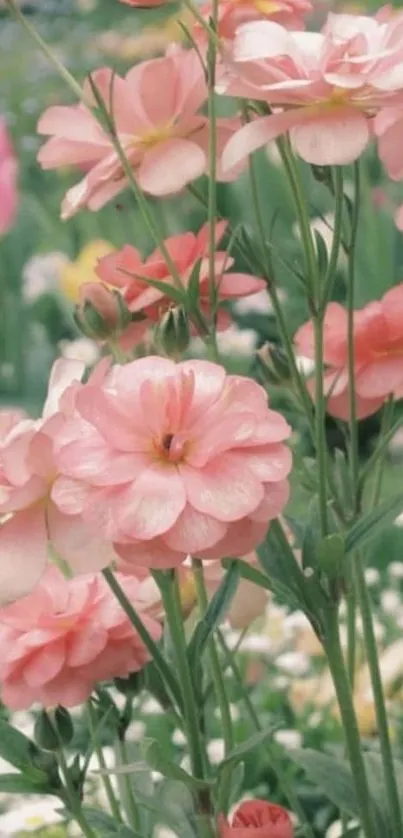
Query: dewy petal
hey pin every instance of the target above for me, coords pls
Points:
(337, 137)
(169, 166)
(224, 489)
(152, 504)
(23, 553)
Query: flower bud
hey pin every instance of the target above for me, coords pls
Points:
(173, 333)
(273, 364)
(45, 732)
(101, 313)
(257, 819)
(64, 724)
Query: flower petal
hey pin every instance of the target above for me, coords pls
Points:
(23, 553)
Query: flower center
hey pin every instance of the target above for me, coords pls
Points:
(172, 448)
(154, 136)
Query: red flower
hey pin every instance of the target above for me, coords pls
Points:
(257, 819)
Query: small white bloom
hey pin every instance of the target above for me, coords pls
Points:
(178, 738)
(41, 274)
(257, 643)
(254, 304)
(136, 731)
(151, 707)
(335, 830)
(30, 817)
(391, 601)
(216, 751)
(288, 738)
(281, 682)
(395, 570)
(296, 663)
(164, 832)
(372, 576)
(82, 349)
(234, 710)
(305, 365)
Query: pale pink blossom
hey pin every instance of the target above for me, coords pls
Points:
(378, 351)
(8, 181)
(325, 87)
(388, 127)
(156, 112)
(27, 471)
(167, 460)
(125, 269)
(64, 638)
(250, 600)
(233, 13)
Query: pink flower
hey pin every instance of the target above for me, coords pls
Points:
(233, 13)
(65, 637)
(378, 346)
(250, 600)
(125, 267)
(8, 181)
(165, 137)
(27, 471)
(102, 316)
(388, 127)
(257, 819)
(325, 86)
(167, 460)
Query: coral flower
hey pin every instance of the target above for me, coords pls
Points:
(378, 349)
(60, 641)
(125, 268)
(167, 460)
(233, 13)
(164, 137)
(8, 181)
(325, 86)
(27, 471)
(257, 819)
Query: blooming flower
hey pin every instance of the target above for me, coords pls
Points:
(257, 818)
(83, 269)
(378, 349)
(27, 470)
(125, 270)
(233, 13)
(8, 181)
(165, 138)
(167, 460)
(250, 600)
(325, 86)
(66, 636)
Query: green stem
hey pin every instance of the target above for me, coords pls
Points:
(133, 813)
(165, 671)
(275, 763)
(379, 451)
(351, 635)
(392, 793)
(219, 687)
(320, 416)
(73, 800)
(379, 470)
(304, 221)
(341, 683)
(113, 803)
(212, 171)
(43, 47)
(170, 593)
(336, 240)
(354, 455)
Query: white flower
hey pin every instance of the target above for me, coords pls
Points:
(30, 817)
(41, 274)
(296, 663)
(254, 304)
(395, 570)
(151, 707)
(216, 751)
(391, 601)
(232, 341)
(372, 576)
(336, 829)
(257, 643)
(288, 738)
(136, 731)
(178, 738)
(82, 349)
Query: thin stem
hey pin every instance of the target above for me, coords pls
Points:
(379, 451)
(73, 800)
(219, 686)
(113, 803)
(212, 170)
(351, 635)
(353, 426)
(283, 780)
(350, 727)
(380, 465)
(304, 221)
(392, 793)
(43, 47)
(336, 240)
(133, 813)
(166, 673)
(320, 416)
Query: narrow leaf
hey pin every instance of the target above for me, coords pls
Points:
(252, 742)
(372, 523)
(21, 784)
(20, 751)
(216, 610)
(331, 775)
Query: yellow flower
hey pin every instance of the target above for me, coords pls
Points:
(75, 274)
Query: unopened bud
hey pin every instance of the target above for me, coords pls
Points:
(101, 313)
(173, 333)
(45, 732)
(64, 725)
(273, 364)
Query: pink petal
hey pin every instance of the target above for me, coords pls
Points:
(83, 550)
(45, 663)
(84, 646)
(152, 504)
(169, 166)
(224, 488)
(23, 553)
(154, 553)
(194, 531)
(335, 138)
(378, 379)
(255, 135)
(239, 285)
(64, 373)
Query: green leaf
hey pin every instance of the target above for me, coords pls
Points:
(107, 826)
(193, 288)
(331, 775)
(377, 787)
(166, 288)
(155, 757)
(372, 523)
(241, 751)
(216, 610)
(21, 752)
(21, 784)
(321, 250)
